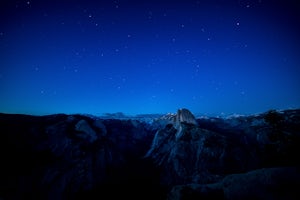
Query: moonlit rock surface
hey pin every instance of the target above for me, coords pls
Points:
(184, 115)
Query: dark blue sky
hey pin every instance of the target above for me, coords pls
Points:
(137, 57)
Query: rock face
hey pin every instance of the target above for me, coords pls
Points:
(175, 157)
(175, 124)
(184, 116)
(205, 154)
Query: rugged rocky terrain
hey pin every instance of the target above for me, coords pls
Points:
(176, 156)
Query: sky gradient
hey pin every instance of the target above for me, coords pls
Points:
(140, 57)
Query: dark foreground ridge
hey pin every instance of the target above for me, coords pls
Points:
(176, 156)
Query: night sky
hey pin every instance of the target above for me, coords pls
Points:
(141, 57)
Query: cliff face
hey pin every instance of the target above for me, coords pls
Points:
(175, 157)
(185, 116)
(203, 160)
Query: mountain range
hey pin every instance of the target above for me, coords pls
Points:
(173, 156)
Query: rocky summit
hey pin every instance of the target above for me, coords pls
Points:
(174, 157)
(185, 116)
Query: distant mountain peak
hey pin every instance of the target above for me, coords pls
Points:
(185, 116)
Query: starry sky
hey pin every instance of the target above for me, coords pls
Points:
(140, 57)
